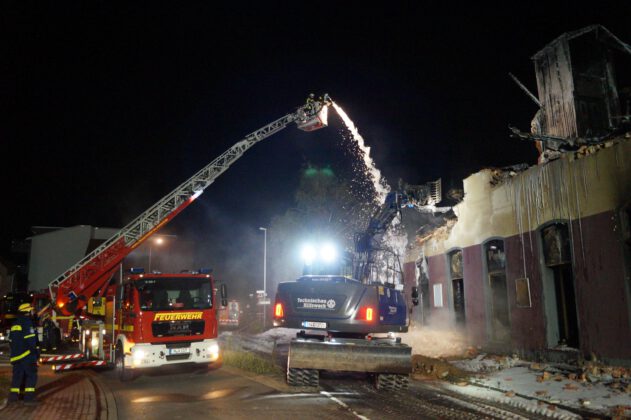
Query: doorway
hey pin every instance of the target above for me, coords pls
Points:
(559, 287)
(498, 319)
(457, 286)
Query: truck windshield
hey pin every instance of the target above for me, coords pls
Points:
(174, 293)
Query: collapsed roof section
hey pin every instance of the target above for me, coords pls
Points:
(584, 89)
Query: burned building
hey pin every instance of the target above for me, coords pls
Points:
(584, 89)
(538, 261)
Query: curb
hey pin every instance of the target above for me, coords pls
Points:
(106, 399)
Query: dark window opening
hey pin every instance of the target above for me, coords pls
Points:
(496, 267)
(557, 255)
(457, 286)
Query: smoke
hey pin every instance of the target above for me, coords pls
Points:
(436, 340)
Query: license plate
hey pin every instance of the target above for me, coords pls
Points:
(312, 324)
(184, 350)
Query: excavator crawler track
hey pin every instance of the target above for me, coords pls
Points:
(391, 381)
(303, 377)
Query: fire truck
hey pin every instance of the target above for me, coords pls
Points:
(151, 320)
(9, 304)
(123, 338)
(230, 315)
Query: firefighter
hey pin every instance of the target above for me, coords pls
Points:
(310, 102)
(24, 356)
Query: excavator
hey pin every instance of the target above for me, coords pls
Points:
(349, 323)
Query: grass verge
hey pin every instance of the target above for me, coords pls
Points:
(250, 362)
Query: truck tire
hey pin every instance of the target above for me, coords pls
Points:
(303, 377)
(123, 372)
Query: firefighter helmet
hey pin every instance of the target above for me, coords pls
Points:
(25, 307)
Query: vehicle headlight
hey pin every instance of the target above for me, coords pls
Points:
(138, 355)
(213, 351)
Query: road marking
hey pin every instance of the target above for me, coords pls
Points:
(343, 404)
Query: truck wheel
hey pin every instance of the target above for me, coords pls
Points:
(124, 373)
(303, 377)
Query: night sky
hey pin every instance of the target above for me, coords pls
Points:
(107, 108)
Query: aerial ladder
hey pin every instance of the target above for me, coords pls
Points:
(88, 278)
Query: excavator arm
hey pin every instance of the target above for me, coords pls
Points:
(423, 198)
(71, 290)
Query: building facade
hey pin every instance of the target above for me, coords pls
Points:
(538, 260)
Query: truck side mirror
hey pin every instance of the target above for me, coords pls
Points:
(224, 295)
(415, 296)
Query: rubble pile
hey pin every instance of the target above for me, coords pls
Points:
(590, 386)
(500, 175)
(424, 367)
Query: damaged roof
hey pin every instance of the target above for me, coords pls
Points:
(607, 37)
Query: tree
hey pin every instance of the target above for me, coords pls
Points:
(326, 209)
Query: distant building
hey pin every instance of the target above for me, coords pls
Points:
(54, 249)
(538, 260)
(7, 276)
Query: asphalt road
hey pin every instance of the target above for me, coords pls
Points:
(224, 393)
(229, 393)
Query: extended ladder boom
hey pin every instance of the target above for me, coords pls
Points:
(71, 289)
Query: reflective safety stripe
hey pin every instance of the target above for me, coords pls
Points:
(16, 328)
(29, 389)
(29, 336)
(16, 390)
(21, 356)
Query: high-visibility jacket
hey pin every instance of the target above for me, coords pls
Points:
(23, 340)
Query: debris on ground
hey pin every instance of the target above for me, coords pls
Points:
(424, 367)
(585, 385)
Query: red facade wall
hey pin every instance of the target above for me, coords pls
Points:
(603, 302)
(437, 267)
(474, 294)
(528, 328)
(602, 299)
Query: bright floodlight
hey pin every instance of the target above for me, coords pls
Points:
(328, 253)
(159, 241)
(308, 254)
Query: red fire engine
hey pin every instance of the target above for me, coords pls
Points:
(151, 320)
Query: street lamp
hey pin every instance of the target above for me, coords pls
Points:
(157, 241)
(264, 273)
